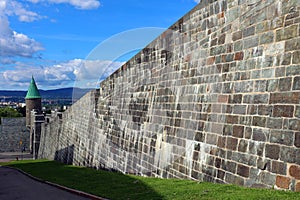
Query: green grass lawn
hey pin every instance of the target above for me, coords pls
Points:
(119, 186)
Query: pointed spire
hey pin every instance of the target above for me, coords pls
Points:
(33, 92)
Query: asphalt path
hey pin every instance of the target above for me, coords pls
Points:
(15, 185)
(8, 156)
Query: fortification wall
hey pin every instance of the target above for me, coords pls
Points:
(215, 98)
(12, 131)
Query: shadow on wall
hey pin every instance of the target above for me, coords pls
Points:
(65, 155)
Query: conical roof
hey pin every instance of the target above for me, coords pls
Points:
(33, 92)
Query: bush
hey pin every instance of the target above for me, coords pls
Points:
(9, 112)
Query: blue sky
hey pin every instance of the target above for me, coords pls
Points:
(67, 42)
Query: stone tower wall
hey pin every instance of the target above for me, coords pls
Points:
(32, 104)
(215, 98)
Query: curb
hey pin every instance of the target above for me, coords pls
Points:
(77, 192)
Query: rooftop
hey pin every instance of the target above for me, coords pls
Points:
(33, 92)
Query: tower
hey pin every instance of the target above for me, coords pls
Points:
(33, 101)
(34, 116)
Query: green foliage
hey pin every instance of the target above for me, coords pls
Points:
(9, 112)
(119, 186)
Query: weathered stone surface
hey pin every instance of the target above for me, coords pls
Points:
(272, 151)
(282, 137)
(243, 170)
(216, 98)
(283, 182)
(12, 132)
(297, 139)
(278, 167)
(297, 189)
(295, 171)
(288, 154)
(283, 111)
(296, 84)
(296, 57)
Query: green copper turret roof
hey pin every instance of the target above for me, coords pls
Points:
(33, 92)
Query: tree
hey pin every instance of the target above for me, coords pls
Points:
(9, 112)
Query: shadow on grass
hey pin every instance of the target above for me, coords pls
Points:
(105, 184)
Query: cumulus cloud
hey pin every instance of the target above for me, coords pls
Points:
(96, 69)
(65, 74)
(79, 4)
(14, 8)
(15, 44)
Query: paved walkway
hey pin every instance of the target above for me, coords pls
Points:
(15, 185)
(8, 156)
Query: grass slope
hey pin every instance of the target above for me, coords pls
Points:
(119, 186)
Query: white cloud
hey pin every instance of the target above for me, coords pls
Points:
(75, 72)
(95, 69)
(15, 44)
(79, 4)
(197, 1)
(10, 8)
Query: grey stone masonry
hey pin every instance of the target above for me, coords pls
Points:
(216, 97)
(12, 132)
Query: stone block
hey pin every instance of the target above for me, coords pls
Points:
(239, 55)
(238, 131)
(268, 73)
(264, 110)
(294, 171)
(296, 57)
(286, 59)
(260, 86)
(266, 38)
(278, 167)
(297, 112)
(243, 171)
(231, 143)
(260, 134)
(282, 137)
(296, 84)
(243, 145)
(288, 154)
(283, 111)
(251, 42)
(297, 139)
(284, 98)
(256, 99)
(248, 31)
(238, 45)
(285, 84)
(283, 182)
(268, 178)
(239, 109)
(292, 44)
(272, 85)
(274, 123)
(293, 70)
(272, 151)
(230, 178)
(237, 35)
(221, 174)
(286, 33)
(294, 124)
(297, 188)
(259, 121)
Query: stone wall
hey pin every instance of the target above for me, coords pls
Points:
(12, 131)
(215, 98)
